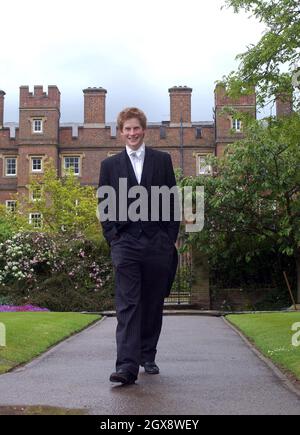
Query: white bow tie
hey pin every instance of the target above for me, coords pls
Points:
(137, 161)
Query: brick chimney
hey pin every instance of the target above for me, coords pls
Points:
(180, 105)
(284, 105)
(2, 93)
(94, 105)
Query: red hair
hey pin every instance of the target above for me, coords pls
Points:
(129, 113)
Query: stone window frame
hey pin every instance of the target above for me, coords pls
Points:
(80, 156)
(12, 206)
(198, 160)
(33, 216)
(31, 157)
(35, 119)
(5, 158)
(236, 125)
(32, 194)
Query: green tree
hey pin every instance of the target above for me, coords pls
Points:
(65, 205)
(253, 200)
(10, 222)
(270, 64)
(6, 226)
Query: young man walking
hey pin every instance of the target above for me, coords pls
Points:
(143, 252)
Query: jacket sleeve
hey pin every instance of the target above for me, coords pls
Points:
(173, 225)
(109, 227)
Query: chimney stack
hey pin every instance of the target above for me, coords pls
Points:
(284, 105)
(2, 93)
(180, 105)
(94, 105)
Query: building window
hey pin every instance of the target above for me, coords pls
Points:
(36, 193)
(237, 125)
(11, 206)
(72, 163)
(35, 219)
(198, 133)
(37, 125)
(202, 167)
(11, 166)
(36, 164)
(162, 133)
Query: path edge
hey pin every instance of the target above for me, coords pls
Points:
(287, 379)
(51, 349)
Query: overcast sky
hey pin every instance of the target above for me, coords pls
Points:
(136, 49)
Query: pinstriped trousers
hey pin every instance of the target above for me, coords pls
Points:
(142, 267)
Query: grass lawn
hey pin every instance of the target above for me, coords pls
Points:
(30, 334)
(272, 334)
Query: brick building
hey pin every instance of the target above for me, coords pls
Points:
(24, 146)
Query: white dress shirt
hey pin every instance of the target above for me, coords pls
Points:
(137, 160)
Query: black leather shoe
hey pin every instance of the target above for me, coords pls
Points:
(123, 377)
(151, 368)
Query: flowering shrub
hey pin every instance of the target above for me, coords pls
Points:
(81, 261)
(23, 308)
(62, 273)
(23, 255)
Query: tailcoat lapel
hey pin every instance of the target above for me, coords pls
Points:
(126, 170)
(148, 169)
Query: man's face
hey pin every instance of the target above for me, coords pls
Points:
(133, 133)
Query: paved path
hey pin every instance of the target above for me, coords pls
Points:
(206, 368)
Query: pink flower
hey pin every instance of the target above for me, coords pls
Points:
(22, 308)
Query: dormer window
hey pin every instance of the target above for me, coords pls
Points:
(37, 125)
